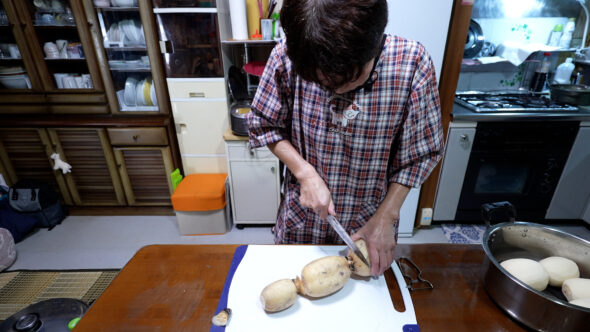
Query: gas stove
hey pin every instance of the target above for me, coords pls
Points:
(488, 102)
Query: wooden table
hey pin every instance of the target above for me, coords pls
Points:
(177, 288)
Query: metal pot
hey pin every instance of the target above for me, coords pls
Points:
(238, 112)
(241, 106)
(543, 311)
(573, 94)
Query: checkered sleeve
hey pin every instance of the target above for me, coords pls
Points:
(268, 120)
(420, 141)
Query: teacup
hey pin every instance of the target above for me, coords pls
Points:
(51, 50)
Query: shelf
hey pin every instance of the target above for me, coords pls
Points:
(118, 9)
(54, 26)
(64, 59)
(132, 70)
(583, 62)
(126, 48)
(249, 41)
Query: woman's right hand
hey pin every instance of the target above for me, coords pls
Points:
(314, 193)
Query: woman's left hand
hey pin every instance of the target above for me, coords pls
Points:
(379, 234)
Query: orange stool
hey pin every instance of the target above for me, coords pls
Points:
(200, 204)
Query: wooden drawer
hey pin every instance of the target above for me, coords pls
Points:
(137, 136)
(197, 88)
(241, 151)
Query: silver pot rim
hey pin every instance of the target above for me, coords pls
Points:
(494, 228)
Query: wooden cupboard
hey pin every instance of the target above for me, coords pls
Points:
(105, 172)
(122, 146)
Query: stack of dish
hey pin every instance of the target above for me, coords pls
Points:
(139, 92)
(132, 32)
(14, 78)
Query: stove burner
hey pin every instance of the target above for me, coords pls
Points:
(511, 102)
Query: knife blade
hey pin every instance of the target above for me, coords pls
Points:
(346, 238)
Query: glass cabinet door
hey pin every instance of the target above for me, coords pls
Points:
(189, 41)
(124, 42)
(13, 74)
(56, 41)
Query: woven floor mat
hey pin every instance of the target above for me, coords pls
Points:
(19, 289)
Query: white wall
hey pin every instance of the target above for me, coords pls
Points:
(426, 21)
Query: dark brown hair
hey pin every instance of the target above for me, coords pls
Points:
(333, 37)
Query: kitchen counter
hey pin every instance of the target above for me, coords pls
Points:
(230, 136)
(461, 113)
(177, 288)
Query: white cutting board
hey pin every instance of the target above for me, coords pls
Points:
(361, 305)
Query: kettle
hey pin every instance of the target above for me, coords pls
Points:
(241, 105)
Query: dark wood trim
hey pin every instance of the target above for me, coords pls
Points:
(83, 120)
(101, 55)
(83, 27)
(460, 18)
(148, 20)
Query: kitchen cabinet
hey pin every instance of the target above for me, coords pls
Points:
(145, 172)
(454, 165)
(93, 179)
(201, 117)
(254, 176)
(145, 163)
(51, 59)
(188, 35)
(25, 154)
(125, 41)
(110, 166)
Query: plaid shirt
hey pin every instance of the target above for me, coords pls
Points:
(358, 142)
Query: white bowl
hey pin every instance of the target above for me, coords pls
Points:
(14, 82)
(130, 92)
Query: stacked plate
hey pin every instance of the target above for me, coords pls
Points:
(139, 92)
(14, 78)
(132, 32)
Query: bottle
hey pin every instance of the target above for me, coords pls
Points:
(555, 35)
(566, 37)
(564, 72)
(540, 75)
(578, 75)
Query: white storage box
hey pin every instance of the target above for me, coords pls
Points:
(200, 204)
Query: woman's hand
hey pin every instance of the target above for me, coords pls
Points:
(379, 234)
(315, 194)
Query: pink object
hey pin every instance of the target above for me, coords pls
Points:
(255, 68)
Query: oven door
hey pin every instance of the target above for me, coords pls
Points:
(520, 165)
(526, 181)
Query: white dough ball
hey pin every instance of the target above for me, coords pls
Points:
(528, 271)
(560, 269)
(576, 288)
(581, 302)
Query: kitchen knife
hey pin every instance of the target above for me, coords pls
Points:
(346, 238)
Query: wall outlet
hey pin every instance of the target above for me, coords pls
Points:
(426, 217)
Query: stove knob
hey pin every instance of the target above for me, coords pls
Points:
(28, 323)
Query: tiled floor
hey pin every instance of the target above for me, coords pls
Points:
(89, 242)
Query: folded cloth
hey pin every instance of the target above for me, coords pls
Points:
(517, 53)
